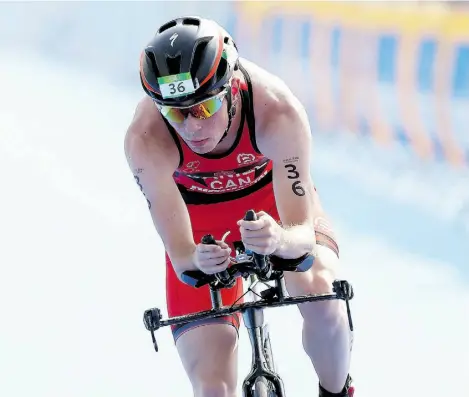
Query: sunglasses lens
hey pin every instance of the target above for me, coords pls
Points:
(200, 111)
(172, 114)
(206, 109)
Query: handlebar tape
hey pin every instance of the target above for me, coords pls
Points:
(258, 258)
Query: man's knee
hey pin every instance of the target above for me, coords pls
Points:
(209, 381)
(213, 388)
(317, 281)
(209, 356)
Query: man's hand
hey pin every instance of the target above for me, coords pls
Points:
(262, 236)
(212, 258)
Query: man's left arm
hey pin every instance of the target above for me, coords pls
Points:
(286, 140)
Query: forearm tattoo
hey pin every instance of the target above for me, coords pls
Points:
(137, 179)
(293, 174)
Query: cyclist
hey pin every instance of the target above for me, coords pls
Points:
(214, 136)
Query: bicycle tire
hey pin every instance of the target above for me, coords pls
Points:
(263, 388)
(268, 353)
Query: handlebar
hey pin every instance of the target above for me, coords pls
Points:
(247, 263)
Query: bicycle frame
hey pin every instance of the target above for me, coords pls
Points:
(250, 266)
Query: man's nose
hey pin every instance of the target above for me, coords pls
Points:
(192, 124)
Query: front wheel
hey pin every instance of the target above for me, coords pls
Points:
(263, 388)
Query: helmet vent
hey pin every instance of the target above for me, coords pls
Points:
(222, 69)
(167, 26)
(227, 40)
(191, 21)
(198, 55)
(174, 64)
(152, 59)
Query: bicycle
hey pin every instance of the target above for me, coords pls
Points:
(262, 380)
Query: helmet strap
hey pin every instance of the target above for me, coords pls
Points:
(231, 112)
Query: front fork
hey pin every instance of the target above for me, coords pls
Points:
(262, 361)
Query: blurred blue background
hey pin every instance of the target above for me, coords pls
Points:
(387, 91)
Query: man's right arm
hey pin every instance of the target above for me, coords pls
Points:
(152, 162)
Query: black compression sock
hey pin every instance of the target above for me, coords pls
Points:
(344, 393)
(324, 393)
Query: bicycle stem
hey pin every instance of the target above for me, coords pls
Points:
(215, 296)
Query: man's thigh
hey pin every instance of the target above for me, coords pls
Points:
(209, 354)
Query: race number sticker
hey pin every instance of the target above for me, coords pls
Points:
(176, 85)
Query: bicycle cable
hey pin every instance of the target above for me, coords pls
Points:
(248, 290)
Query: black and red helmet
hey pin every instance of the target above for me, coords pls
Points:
(195, 54)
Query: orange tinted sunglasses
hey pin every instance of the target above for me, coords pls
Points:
(202, 110)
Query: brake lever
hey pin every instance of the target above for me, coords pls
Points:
(151, 319)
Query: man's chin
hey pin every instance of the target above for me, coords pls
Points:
(202, 147)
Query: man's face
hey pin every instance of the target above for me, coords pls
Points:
(203, 135)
